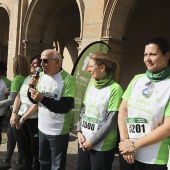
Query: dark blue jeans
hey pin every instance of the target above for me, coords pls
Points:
(53, 151)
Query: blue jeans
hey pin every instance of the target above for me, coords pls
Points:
(53, 151)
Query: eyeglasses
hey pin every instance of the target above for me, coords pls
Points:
(46, 60)
(145, 92)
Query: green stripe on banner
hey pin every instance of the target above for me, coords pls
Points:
(82, 76)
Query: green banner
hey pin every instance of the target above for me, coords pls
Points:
(82, 76)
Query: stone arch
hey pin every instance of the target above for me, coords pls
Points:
(4, 32)
(115, 15)
(43, 23)
(6, 8)
(125, 29)
(80, 4)
(148, 19)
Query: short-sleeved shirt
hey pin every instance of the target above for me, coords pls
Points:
(25, 102)
(16, 83)
(4, 83)
(98, 102)
(146, 113)
(56, 86)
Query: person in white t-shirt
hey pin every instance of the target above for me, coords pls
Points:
(97, 126)
(55, 95)
(144, 116)
(5, 84)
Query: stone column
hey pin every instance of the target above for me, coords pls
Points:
(13, 35)
(117, 51)
(32, 48)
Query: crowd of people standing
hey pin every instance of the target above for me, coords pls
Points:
(135, 122)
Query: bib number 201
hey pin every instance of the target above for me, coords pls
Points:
(136, 128)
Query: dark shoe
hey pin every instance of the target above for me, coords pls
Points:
(17, 166)
(3, 164)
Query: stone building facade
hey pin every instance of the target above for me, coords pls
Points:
(28, 27)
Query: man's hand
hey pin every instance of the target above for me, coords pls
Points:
(33, 81)
(36, 95)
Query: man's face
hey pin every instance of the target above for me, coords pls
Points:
(49, 63)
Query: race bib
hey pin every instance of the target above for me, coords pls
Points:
(137, 127)
(89, 124)
(23, 108)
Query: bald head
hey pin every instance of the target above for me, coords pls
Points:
(51, 61)
(53, 54)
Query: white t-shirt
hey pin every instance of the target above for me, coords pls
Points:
(59, 85)
(25, 102)
(145, 113)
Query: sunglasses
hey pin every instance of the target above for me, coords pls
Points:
(46, 60)
(145, 92)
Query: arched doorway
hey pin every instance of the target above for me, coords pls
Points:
(4, 34)
(52, 25)
(148, 19)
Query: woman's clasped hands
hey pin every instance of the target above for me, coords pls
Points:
(127, 149)
(83, 143)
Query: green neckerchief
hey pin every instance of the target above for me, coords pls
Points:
(158, 76)
(102, 83)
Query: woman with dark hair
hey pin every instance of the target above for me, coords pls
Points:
(28, 120)
(144, 114)
(20, 70)
(97, 127)
(4, 84)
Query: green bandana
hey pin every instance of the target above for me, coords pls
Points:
(102, 83)
(158, 76)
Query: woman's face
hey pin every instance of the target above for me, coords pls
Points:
(154, 60)
(97, 72)
(33, 66)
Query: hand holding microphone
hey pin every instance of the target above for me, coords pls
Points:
(34, 80)
(32, 83)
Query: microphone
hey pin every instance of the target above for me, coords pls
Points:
(37, 73)
(38, 70)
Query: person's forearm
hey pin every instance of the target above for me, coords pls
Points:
(122, 120)
(80, 118)
(154, 136)
(9, 101)
(30, 111)
(123, 131)
(17, 103)
(62, 106)
(105, 130)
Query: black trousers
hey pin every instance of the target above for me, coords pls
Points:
(1, 121)
(139, 165)
(95, 160)
(14, 137)
(30, 142)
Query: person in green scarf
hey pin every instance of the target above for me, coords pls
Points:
(144, 115)
(97, 126)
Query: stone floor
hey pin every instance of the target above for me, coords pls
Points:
(71, 154)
